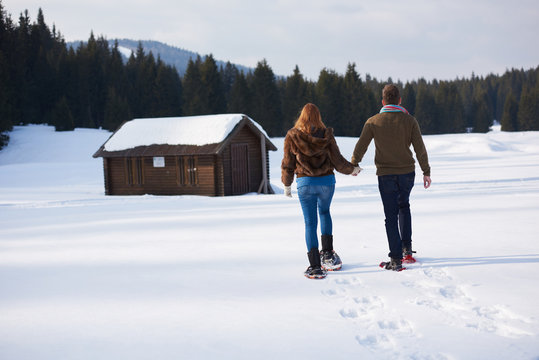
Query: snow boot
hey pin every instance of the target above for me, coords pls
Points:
(394, 264)
(314, 271)
(328, 257)
(407, 256)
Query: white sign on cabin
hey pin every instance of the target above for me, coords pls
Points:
(158, 161)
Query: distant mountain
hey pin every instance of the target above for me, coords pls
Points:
(171, 55)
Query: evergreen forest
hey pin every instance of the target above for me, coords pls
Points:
(44, 81)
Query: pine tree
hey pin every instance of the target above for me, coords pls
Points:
(408, 98)
(266, 105)
(90, 80)
(68, 81)
(193, 92)
(213, 93)
(425, 109)
(295, 96)
(145, 86)
(528, 109)
(43, 72)
(62, 117)
(26, 88)
(240, 96)
(450, 109)
(509, 119)
(480, 112)
(168, 87)
(116, 71)
(329, 94)
(7, 94)
(116, 110)
(353, 111)
(228, 77)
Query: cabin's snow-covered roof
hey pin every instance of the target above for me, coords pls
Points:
(188, 130)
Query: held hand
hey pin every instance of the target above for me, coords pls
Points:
(356, 171)
(426, 181)
(288, 191)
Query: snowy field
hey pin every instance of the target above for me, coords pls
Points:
(87, 276)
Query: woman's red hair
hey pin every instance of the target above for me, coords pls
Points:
(309, 118)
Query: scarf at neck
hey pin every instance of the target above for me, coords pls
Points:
(393, 108)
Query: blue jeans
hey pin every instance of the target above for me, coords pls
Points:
(315, 198)
(395, 192)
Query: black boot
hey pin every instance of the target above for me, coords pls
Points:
(408, 255)
(330, 260)
(327, 243)
(394, 264)
(315, 271)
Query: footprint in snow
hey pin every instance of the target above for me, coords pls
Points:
(440, 292)
(436, 273)
(375, 341)
(498, 320)
(341, 285)
(347, 281)
(400, 325)
(370, 302)
(348, 313)
(334, 292)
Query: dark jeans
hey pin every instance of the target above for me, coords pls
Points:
(395, 192)
(315, 198)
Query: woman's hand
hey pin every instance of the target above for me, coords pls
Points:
(288, 191)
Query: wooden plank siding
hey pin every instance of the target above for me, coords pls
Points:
(244, 136)
(219, 176)
(162, 180)
(106, 176)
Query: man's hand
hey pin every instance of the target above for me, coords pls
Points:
(288, 191)
(356, 170)
(426, 181)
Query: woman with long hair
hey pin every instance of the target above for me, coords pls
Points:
(311, 153)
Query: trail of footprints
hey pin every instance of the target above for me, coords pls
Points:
(380, 326)
(438, 291)
(384, 329)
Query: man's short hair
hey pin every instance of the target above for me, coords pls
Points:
(391, 95)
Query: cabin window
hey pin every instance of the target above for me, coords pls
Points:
(134, 171)
(187, 172)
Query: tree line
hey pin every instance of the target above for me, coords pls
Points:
(42, 80)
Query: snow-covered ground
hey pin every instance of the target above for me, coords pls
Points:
(87, 276)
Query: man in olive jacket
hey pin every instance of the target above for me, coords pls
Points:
(393, 131)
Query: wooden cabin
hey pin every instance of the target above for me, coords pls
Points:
(212, 155)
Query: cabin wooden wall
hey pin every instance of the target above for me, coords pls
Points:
(160, 180)
(244, 136)
(219, 176)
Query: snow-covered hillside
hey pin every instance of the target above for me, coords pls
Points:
(86, 276)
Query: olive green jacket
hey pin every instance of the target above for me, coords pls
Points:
(393, 133)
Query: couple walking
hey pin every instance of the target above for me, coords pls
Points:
(311, 153)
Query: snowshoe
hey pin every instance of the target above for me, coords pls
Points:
(394, 264)
(330, 260)
(408, 257)
(315, 272)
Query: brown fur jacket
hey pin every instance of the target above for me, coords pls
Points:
(307, 155)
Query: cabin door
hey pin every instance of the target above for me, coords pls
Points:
(240, 169)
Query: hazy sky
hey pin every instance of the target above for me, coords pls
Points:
(404, 40)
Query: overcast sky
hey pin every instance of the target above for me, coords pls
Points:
(404, 40)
